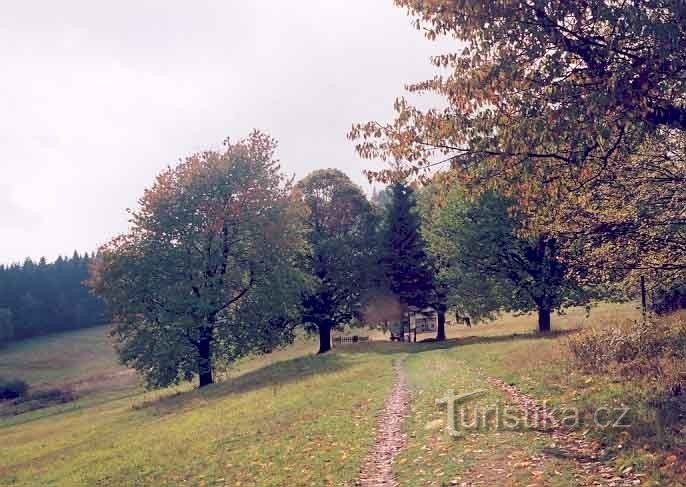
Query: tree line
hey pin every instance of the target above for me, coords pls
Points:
(37, 298)
(560, 145)
(227, 257)
(575, 113)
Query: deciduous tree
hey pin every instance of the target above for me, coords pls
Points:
(209, 270)
(488, 266)
(341, 227)
(562, 106)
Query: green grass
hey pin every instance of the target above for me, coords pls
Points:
(541, 369)
(540, 366)
(60, 358)
(82, 361)
(294, 418)
(482, 450)
(305, 421)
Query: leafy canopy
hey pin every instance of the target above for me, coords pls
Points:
(487, 265)
(574, 109)
(341, 226)
(209, 270)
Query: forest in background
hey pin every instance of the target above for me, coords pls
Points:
(37, 298)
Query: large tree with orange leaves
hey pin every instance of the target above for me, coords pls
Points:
(209, 269)
(575, 108)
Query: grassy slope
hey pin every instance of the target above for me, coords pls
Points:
(60, 358)
(291, 418)
(278, 421)
(81, 361)
(482, 452)
(539, 367)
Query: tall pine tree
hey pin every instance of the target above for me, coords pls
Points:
(407, 266)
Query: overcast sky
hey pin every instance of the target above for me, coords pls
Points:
(97, 97)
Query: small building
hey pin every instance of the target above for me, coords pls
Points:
(423, 320)
(415, 320)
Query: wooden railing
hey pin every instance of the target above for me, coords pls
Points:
(348, 340)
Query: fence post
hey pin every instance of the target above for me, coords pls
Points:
(644, 310)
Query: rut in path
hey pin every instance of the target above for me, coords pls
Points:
(377, 469)
(593, 471)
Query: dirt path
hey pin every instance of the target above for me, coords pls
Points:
(377, 469)
(586, 453)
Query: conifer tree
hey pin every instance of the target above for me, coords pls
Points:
(408, 268)
(47, 297)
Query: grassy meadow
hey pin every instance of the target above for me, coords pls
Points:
(277, 421)
(295, 418)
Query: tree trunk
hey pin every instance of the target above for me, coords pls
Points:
(205, 360)
(440, 332)
(324, 338)
(543, 319)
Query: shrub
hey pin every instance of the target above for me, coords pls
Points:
(37, 399)
(669, 298)
(655, 351)
(52, 396)
(12, 388)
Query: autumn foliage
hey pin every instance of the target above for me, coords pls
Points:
(575, 109)
(209, 269)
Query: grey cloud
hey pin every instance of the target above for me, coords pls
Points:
(97, 97)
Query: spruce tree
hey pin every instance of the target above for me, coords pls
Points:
(407, 266)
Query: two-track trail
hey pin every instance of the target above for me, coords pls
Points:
(494, 467)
